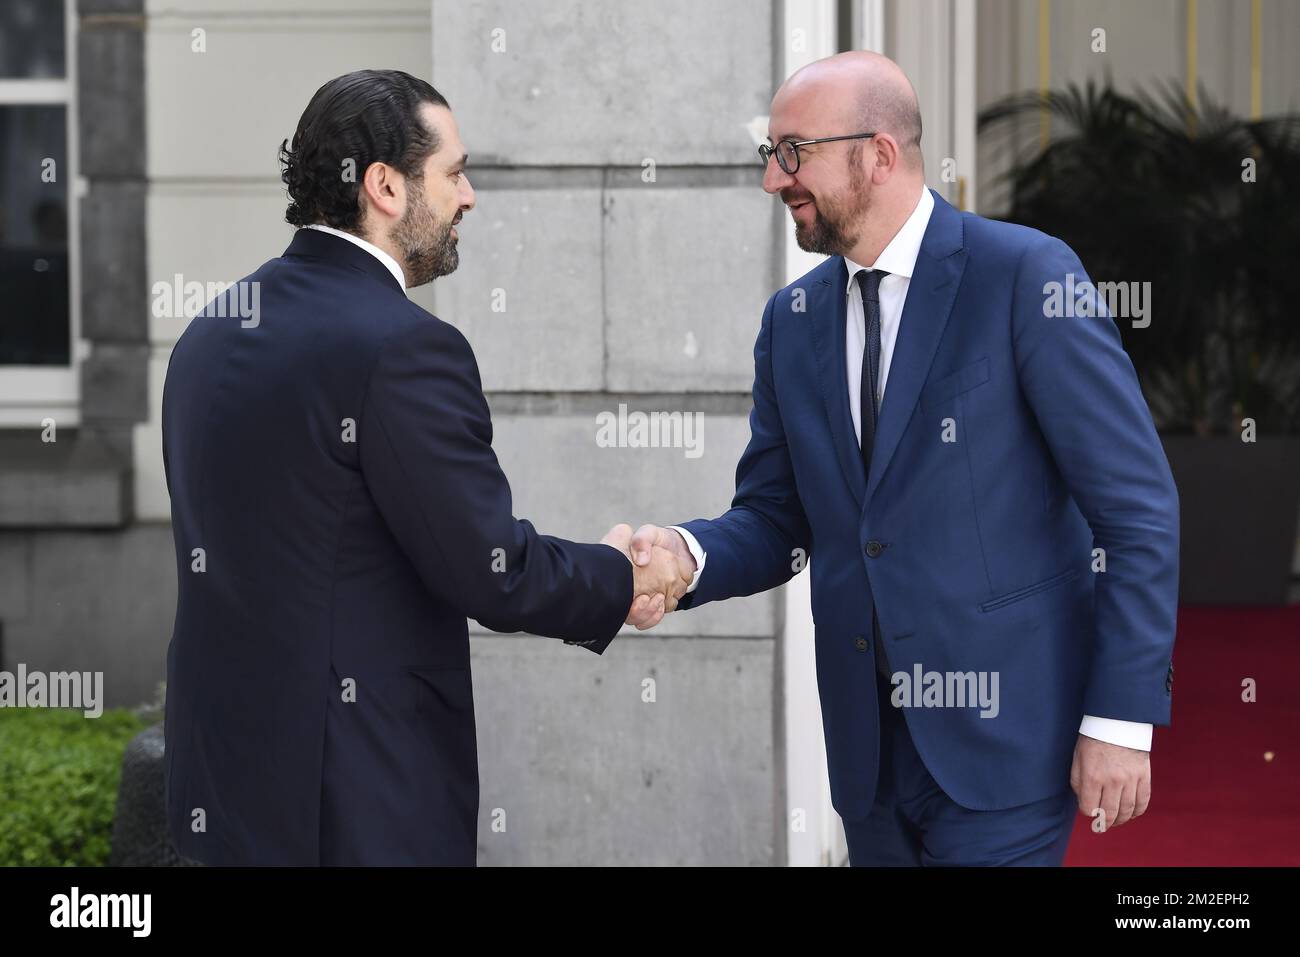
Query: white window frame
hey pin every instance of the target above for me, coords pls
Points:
(30, 394)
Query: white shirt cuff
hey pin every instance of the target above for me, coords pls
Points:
(696, 552)
(1128, 734)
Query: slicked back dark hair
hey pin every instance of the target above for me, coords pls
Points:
(370, 116)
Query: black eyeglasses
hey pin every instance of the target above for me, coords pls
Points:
(787, 151)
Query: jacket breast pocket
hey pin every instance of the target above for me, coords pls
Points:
(955, 383)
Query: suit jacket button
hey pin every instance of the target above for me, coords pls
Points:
(860, 643)
(874, 548)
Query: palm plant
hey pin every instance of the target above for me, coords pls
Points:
(1147, 189)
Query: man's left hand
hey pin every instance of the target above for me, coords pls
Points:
(1111, 777)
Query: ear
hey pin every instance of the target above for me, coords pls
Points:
(884, 158)
(384, 189)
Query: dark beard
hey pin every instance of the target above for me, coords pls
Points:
(823, 236)
(427, 246)
(829, 235)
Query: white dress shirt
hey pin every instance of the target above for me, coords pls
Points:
(389, 262)
(898, 259)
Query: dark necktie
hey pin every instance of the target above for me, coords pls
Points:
(869, 408)
(869, 388)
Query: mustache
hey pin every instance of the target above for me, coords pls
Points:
(788, 196)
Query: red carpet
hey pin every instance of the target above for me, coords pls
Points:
(1217, 798)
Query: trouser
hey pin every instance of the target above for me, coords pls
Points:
(913, 822)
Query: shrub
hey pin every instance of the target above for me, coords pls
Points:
(58, 784)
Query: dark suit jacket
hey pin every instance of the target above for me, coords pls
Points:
(333, 461)
(1010, 445)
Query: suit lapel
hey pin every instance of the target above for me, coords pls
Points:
(930, 296)
(828, 311)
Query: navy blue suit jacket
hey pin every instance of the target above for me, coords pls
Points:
(1010, 445)
(333, 463)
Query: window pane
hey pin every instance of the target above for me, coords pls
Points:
(31, 39)
(34, 291)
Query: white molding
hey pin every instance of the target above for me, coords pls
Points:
(935, 42)
(817, 20)
(870, 26)
(807, 783)
(31, 393)
(965, 107)
(35, 92)
(32, 417)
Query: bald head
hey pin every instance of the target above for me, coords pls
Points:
(862, 92)
(847, 193)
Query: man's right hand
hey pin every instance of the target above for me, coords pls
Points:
(649, 537)
(659, 578)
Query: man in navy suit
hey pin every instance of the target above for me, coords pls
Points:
(338, 511)
(978, 485)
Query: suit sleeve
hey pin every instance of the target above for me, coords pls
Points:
(1085, 395)
(425, 444)
(753, 546)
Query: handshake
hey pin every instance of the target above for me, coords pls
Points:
(662, 569)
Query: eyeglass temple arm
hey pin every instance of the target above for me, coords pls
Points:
(832, 139)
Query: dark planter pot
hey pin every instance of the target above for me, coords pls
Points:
(140, 820)
(1240, 504)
